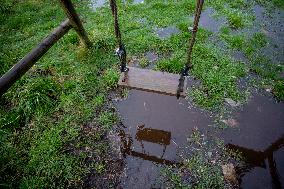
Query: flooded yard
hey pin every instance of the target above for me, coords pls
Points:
(70, 122)
(156, 127)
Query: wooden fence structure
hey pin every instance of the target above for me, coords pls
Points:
(19, 69)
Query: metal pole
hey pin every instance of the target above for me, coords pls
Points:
(19, 69)
(75, 21)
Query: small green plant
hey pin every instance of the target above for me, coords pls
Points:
(172, 65)
(100, 168)
(144, 62)
(236, 20)
(99, 101)
(110, 78)
(258, 40)
(278, 90)
(107, 119)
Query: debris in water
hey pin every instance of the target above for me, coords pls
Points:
(231, 122)
(230, 173)
(232, 102)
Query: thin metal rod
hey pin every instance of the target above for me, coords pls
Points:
(19, 69)
(75, 21)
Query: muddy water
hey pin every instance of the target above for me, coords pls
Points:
(155, 126)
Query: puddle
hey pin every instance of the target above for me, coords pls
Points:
(271, 24)
(155, 127)
(240, 56)
(164, 33)
(209, 22)
(150, 56)
(273, 27)
(95, 4)
(138, 1)
(260, 138)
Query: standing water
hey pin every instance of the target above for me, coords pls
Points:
(155, 126)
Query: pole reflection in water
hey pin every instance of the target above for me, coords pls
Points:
(255, 158)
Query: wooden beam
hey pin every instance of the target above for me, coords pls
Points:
(19, 69)
(152, 81)
(75, 21)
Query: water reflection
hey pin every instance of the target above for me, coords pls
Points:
(167, 121)
(255, 158)
(143, 134)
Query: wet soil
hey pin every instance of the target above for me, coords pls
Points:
(150, 56)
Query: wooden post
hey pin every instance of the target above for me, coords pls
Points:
(19, 69)
(75, 21)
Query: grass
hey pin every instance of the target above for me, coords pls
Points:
(202, 158)
(54, 120)
(45, 111)
(144, 62)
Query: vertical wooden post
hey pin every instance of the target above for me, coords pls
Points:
(75, 21)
